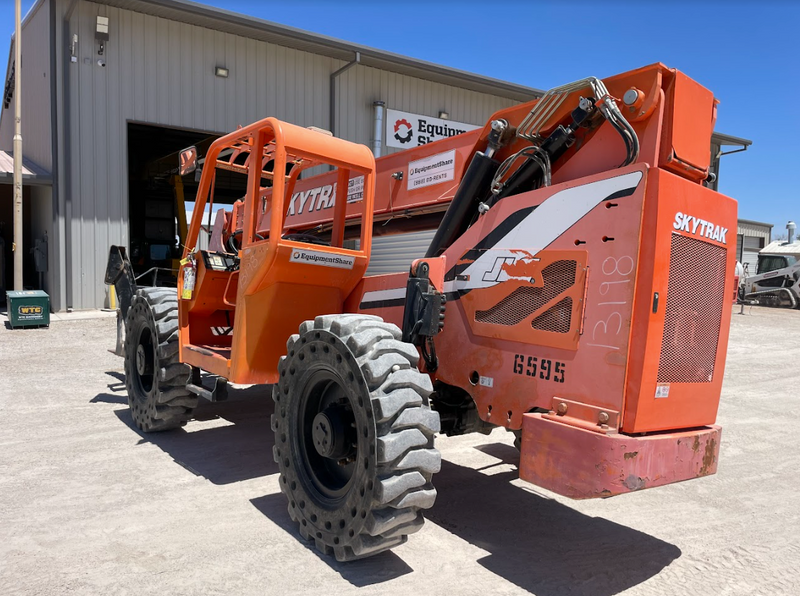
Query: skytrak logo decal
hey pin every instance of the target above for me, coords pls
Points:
(700, 227)
(324, 197)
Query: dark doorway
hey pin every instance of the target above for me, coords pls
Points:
(30, 278)
(157, 198)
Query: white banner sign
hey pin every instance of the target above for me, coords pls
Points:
(432, 170)
(405, 130)
(355, 189)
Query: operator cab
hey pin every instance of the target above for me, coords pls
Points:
(767, 263)
(257, 273)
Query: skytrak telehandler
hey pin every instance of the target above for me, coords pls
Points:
(575, 292)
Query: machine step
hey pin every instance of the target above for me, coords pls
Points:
(218, 393)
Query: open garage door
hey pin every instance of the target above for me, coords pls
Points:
(157, 198)
(750, 248)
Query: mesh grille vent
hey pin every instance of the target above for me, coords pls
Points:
(695, 297)
(557, 277)
(557, 318)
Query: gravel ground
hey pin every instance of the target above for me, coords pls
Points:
(90, 506)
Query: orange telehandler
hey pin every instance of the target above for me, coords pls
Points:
(574, 293)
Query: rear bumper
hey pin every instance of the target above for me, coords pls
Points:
(583, 464)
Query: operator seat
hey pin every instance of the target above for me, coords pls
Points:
(215, 243)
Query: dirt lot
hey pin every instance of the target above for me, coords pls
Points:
(90, 506)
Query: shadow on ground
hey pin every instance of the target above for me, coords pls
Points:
(117, 394)
(240, 449)
(534, 542)
(537, 543)
(374, 570)
(236, 444)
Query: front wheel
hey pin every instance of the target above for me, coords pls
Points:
(354, 435)
(154, 377)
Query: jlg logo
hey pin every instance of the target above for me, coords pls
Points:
(700, 227)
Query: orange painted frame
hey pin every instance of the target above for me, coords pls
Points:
(688, 404)
(267, 277)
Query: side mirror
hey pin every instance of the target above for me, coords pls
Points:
(188, 161)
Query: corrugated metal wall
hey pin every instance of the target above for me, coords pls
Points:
(751, 246)
(162, 72)
(747, 228)
(750, 239)
(35, 92)
(393, 254)
(360, 86)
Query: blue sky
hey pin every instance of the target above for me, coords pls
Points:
(744, 52)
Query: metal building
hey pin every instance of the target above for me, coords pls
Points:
(751, 237)
(719, 148)
(150, 76)
(113, 88)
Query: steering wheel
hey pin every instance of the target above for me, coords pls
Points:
(231, 242)
(307, 238)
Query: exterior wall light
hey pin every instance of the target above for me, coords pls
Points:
(101, 34)
(221, 71)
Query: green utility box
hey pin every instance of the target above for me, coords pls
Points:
(28, 309)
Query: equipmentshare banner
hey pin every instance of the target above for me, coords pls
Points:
(404, 130)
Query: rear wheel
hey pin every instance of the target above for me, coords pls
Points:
(354, 435)
(155, 379)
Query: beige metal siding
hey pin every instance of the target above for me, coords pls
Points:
(747, 228)
(751, 238)
(35, 92)
(360, 86)
(393, 254)
(162, 72)
(750, 249)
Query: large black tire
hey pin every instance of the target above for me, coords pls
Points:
(155, 379)
(352, 373)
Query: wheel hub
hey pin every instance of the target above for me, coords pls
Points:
(328, 428)
(330, 433)
(141, 360)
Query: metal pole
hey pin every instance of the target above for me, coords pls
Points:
(332, 91)
(17, 245)
(377, 137)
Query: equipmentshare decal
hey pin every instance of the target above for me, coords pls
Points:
(325, 259)
(432, 170)
(404, 129)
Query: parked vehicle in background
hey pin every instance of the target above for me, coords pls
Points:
(777, 278)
